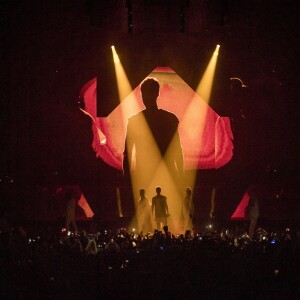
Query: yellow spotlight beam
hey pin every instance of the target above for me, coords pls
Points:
(158, 170)
(197, 111)
(154, 170)
(205, 86)
(124, 87)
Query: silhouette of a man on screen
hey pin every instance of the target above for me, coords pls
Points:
(164, 128)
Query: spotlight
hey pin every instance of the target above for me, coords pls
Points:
(216, 53)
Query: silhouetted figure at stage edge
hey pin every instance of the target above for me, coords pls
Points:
(81, 167)
(164, 128)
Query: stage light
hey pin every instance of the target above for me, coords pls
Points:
(205, 86)
(157, 173)
(155, 170)
(198, 114)
(217, 50)
(115, 55)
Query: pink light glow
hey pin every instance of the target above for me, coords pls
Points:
(76, 191)
(85, 206)
(239, 213)
(206, 137)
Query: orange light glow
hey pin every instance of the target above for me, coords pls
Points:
(197, 111)
(124, 87)
(155, 171)
(205, 86)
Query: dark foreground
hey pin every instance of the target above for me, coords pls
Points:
(50, 264)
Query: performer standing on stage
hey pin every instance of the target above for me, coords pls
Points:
(160, 209)
(144, 213)
(188, 210)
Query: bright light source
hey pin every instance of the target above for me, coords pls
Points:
(124, 87)
(216, 53)
(205, 86)
(115, 55)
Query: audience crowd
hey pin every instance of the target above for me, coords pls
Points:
(52, 263)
